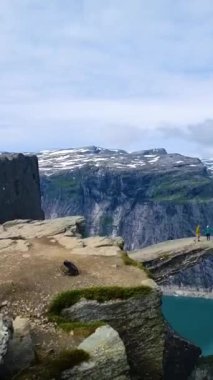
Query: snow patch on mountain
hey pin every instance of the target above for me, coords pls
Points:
(52, 162)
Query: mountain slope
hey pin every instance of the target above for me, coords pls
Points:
(145, 197)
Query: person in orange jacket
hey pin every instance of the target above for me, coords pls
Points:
(198, 232)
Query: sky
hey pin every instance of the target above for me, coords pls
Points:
(130, 74)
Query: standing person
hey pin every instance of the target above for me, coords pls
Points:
(208, 232)
(198, 232)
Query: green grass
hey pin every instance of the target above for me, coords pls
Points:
(165, 256)
(81, 328)
(65, 182)
(106, 220)
(129, 261)
(51, 368)
(180, 190)
(100, 294)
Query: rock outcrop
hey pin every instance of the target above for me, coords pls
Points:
(31, 229)
(20, 351)
(154, 352)
(20, 188)
(145, 197)
(182, 266)
(108, 358)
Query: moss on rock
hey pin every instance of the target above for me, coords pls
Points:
(129, 261)
(100, 294)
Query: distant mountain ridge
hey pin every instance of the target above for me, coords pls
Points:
(51, 162)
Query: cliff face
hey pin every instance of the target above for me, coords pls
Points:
(19, 188)
(181, 265)
(145, 197)
(197, 276)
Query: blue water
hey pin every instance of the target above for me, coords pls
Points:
(192, 318)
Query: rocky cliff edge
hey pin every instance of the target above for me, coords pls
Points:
(182, 267)
(112, 303)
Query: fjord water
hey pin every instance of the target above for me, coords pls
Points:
(192, 318)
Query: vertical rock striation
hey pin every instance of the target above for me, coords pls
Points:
(145, 197)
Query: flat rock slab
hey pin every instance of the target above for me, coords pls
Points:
(171, 247)
(28, 229)
(18, 235)
(96, 245)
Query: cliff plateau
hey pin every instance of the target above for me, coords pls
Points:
(109, 302)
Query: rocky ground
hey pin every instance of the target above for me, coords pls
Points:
(134, 343)
(31, 256)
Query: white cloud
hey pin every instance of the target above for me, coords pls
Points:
(105, 66)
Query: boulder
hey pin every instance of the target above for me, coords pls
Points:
(108, 357)
(20, 352)
(70, 269)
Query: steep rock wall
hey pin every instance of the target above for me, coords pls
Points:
(143, 199)
(190, 271)
(19, 188)
(118, 206)
(197, 277)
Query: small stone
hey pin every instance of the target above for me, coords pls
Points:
(150, 283)
(50, 351)
(4, 304)
(26, 256)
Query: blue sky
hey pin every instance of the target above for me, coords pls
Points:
(131, 74)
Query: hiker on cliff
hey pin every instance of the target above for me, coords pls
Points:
(208, 232)
(198, 232)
